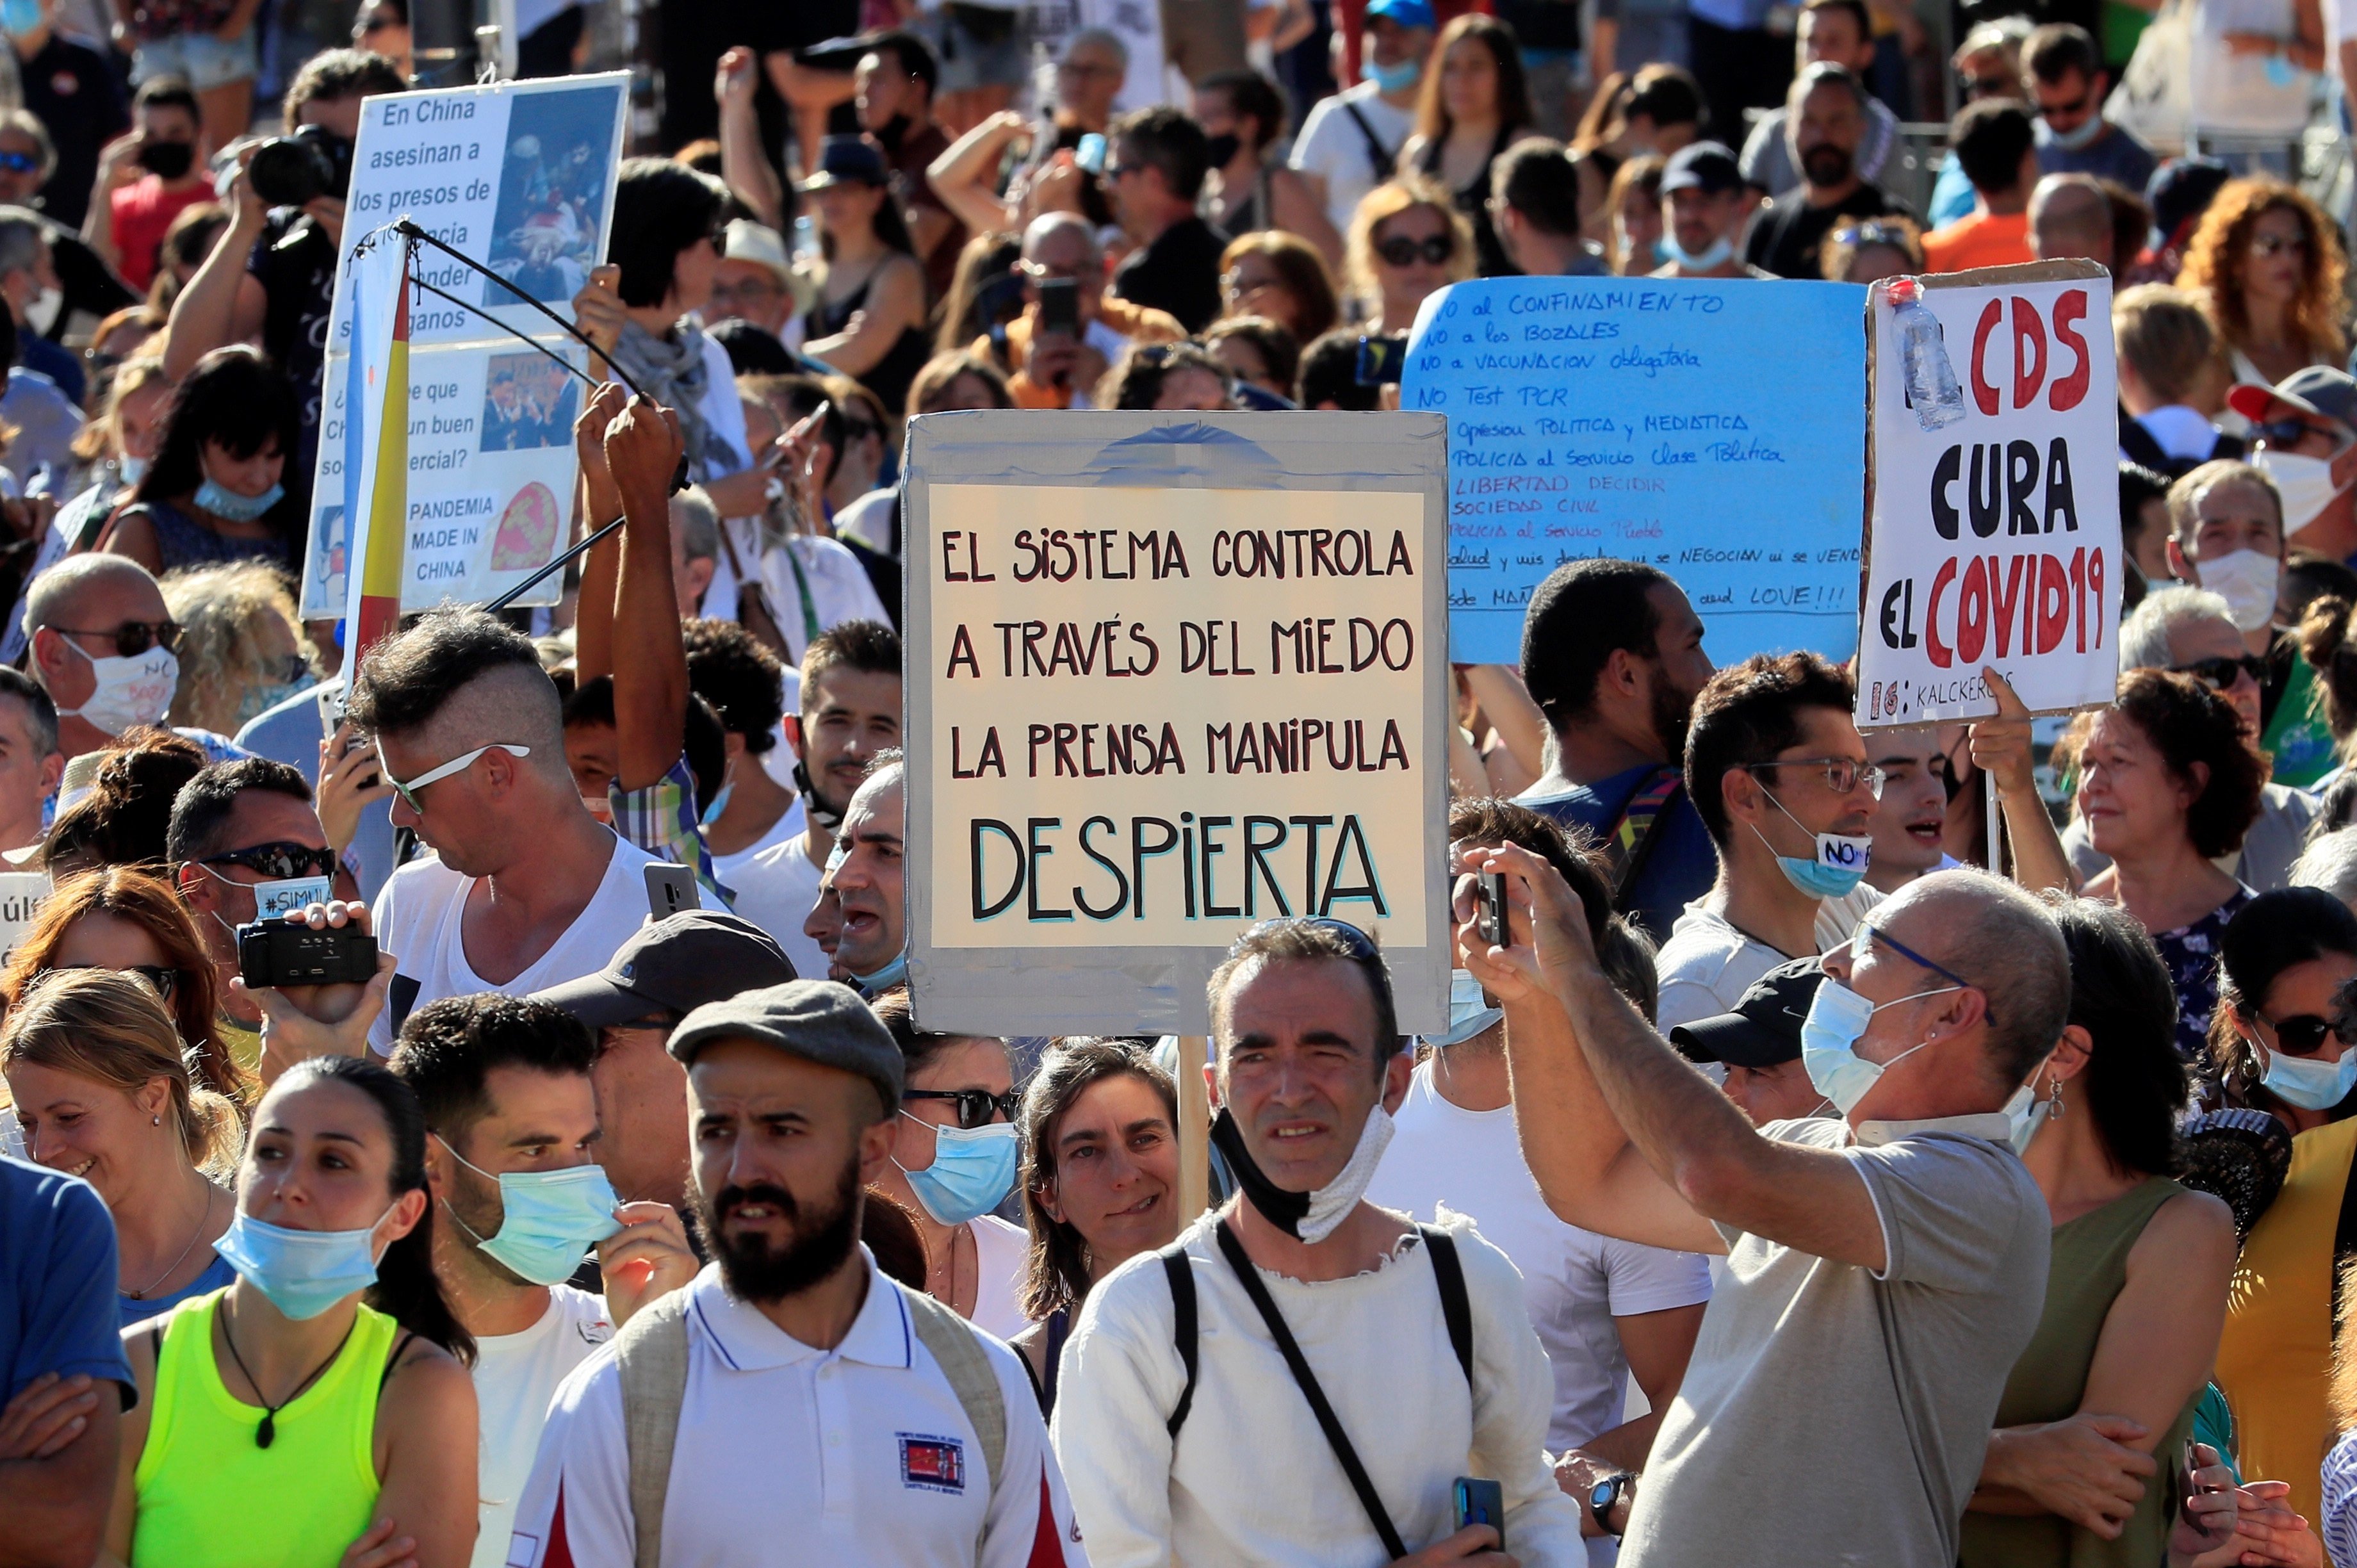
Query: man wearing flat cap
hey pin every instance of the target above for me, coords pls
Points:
(792, 1393)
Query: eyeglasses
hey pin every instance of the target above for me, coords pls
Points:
(1402, 251)
(2302, 1033)
(2288, 432)
(278, 860)
(1235, 285)
(2073, 110)
(162, 977)
(1989, 87)
(2220, 673)
(2276, 245)
(132, 637)
(408, 789)
(1842, 774)
(975, 1107)
(1864, 940)
(20, 163)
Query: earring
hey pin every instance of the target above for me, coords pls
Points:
(2054, 1105)
(155, 1121)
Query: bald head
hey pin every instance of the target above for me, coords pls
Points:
(79, 586)
(2071, 218)
(1060, 237)
(2002, 939)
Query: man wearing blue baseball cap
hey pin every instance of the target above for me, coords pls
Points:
(1347, 145)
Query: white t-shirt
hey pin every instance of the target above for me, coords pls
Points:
(776, 890)
(789, 825)
(1002, 1254)
(1139, 27)
(1706, 965)
(1331, 147)
(417, 919)
(1574, 1283)
(838, 586)
(515, 1377)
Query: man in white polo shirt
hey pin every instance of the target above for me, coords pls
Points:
(792, 1402)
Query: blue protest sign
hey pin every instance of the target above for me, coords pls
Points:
(1716, 429)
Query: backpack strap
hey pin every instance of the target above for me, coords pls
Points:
(1639, 831)
(1456, 1305)
(1378, 154)
(651, 1354)
(957, 1347)
(1185, 1327)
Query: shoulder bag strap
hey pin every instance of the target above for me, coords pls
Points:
(1638, 833)
(1377, 154)
(954, 1345)
(651, 1354)
(1298, 1364)
(1185, 1329)
(1456, 1305)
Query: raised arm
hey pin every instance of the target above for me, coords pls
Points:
(743, 168)
(222, 304)
(2000, 749)
(1506, 703)
(642, 448)
(601, 503)
(963, 175)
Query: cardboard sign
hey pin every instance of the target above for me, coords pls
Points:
(519, 175)
(1707, 427)
(1994, 541)
(1168, 675)
(21, 893)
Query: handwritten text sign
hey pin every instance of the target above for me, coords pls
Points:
(1995, 540)
(1713, 429)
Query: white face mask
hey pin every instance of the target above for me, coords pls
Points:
(2305, 483)
(2246, 581)
(41, 315)
(130, 692)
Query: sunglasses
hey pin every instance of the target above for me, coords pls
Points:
(975, 1107)
(1870, 234)
(2219, 674)
(20, 163)
(1402, 251)
(1867, 938)
(278, 861)
(2288, 432)
(1842, 774)
(2303, 1034)
(375, 25)
(2276, 245)
(408, 789)
(1362, 946)
(132, 637)
(163, 979)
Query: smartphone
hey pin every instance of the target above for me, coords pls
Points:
(1090, 152)
(670, 889)
(1060, 306)
(1381, 359)
(1481, 1502)
(273, 953)
(1490, 889)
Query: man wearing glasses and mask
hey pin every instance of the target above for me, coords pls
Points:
(2304, 437)
(102, 648)
(1783, 784)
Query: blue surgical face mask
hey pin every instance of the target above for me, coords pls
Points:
(1721, 249)
(19, 17)
(1837, 1017)
(303, 1272)
(719, 804)
(884, 979)
(2024, 1114)
(228, 505)
(972, 1173)
(131, 466)
(1470, 1012)
(1839, 866)
(274, 900)
(2312, 1085)
(550, 1219)
(1392, 78)
(2082, 138)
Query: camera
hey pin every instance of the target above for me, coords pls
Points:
(288, 171)
(273, 953)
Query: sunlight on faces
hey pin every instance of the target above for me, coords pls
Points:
(849, 716)
(1913, 1003)
(2208, 637)
(537, 1122)
(2236, 515)
(75, 1123)
(321, 1159)
(870, 881)
(2273, 263)
(1811, 806)
(1297, 1066)
(1700, 219)
(1116, 1175)
(101, 941)
(972, 1063)
(2127, 795)
(642, 1102)
(1190, 388)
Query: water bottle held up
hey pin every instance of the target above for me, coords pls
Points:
(1933, 390)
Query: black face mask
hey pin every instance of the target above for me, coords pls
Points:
(166, 160)
(812, 806)
(1284, 1209)
(888, 134)
(1219, 149)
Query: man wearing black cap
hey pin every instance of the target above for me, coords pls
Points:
(2304, 437)
(662, 972)
(1703, 206)
(792, 1393)
(1760, 1045)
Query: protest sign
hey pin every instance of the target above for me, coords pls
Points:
(1708, 428)
(21, 893)
(1993, 525)
(519, 176)
(1168, 675)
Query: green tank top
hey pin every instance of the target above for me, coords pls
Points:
(210, 1499)
(2089, 1264)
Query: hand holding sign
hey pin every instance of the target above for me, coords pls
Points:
(2000, 746)
(642, 446)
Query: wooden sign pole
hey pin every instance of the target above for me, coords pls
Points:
(1194, 1130)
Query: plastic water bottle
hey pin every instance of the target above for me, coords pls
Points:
(1933, 390)
(805, 237)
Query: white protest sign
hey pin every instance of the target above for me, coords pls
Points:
(1993, 540)
(519, 175)
(1169, 676)
(21, 893)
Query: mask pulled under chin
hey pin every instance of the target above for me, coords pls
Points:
(812, 806)
(1311, 1217)
(1721, 249)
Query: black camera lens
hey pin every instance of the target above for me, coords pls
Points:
(287, 171)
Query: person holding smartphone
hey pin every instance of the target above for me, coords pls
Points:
(1059, 354)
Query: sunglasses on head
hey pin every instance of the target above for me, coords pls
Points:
(278, 861)
(975, 1107)
(1402, 251)
(1362, 946)
(2219, 673)
(132, 637)
(162, 977)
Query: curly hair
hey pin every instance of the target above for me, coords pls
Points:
(2187, 724)
(222, 610)
(2214, 254)
(1379, 207)
(2326, 643)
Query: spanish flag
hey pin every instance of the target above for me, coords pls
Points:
(379, 559)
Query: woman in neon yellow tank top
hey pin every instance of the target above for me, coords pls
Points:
(314, 1414)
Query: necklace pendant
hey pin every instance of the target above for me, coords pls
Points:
(268, 1430)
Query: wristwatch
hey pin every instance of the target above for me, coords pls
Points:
(1608, 1495)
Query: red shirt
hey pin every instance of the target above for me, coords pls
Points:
(143, 212)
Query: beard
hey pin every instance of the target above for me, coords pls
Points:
(479, 1216)
(1825, 165)
(821, 1238)
(1673, 710)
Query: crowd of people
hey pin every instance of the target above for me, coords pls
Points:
(1947, 1200)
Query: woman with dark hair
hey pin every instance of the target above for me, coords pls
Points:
(122, 816)
(214, 492)
(1099, 1136)
(1282, 277)
(954, 1160)
(2167, 785)
(1167, 376)
(1473, 109)
(1635, 207)
(335, 1344)
(2136, 1288)
(1243, 114)
(869, 321)
(1262, 354)
(2272, 1047)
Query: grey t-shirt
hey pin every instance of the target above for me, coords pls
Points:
(1832, 1415)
